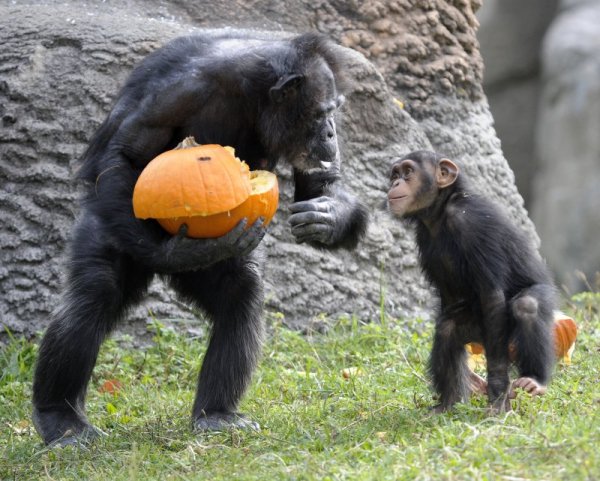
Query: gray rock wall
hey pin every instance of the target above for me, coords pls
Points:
(510, 36)
(541, 78)
(566, 205)
(62, 64)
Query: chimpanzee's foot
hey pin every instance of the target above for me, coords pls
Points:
(63, 428)
(528, 385)
(441, 408)
(82, 438)
(477, 384)
(500, 405)
(220, 421)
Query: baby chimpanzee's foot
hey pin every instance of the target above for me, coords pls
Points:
(477, 384)
(528, 385)
(222, 421)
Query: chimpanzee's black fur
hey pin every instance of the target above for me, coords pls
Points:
(270, 99)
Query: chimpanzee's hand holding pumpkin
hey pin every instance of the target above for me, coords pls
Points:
(181, 253)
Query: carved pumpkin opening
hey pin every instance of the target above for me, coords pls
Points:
(262, 202)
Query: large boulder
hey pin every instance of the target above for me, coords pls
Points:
(566, 206)
(510, 37)
(64, 62)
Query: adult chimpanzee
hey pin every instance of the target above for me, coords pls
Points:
(270, 99)
(493, 286)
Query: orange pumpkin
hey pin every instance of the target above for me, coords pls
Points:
(474, 348)
(262, 202)
(565, 332)
(191, 180)
(205, 187)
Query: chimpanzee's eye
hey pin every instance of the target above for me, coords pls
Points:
(396, 173)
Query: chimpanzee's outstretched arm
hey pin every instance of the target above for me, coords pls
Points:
(324, 214)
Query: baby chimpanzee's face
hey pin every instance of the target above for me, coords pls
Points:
(415, 182)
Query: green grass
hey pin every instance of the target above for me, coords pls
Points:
(316, 424)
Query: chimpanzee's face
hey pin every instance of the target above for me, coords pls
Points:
(304, 108)
(416, 181)
(411, 188)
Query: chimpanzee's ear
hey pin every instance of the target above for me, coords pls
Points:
(285, 87)
(446, 173)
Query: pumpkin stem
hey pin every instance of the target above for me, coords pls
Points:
(187, 143)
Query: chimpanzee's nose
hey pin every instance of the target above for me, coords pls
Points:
(329, 133)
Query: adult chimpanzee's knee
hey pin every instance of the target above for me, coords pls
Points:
(271, 100)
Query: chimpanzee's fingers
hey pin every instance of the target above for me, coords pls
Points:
(320, 204)
(518, 382)
(533, 387)
(512, 392)
(183, 230)
(477, 383)
(529, 385)
(525, 383)
(252, 237)
(234, 234)
(311, 232)
(309, 218)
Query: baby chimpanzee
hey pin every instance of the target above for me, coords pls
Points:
(494, 288)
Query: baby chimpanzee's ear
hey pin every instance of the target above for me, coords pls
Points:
(446, 173)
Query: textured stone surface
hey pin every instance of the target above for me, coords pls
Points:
(566, 205)
(62, 63)
(510, 35)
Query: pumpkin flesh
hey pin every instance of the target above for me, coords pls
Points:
(262, 202)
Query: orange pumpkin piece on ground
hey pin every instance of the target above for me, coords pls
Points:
(111, 386)
(565, 333)
(205, 187)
